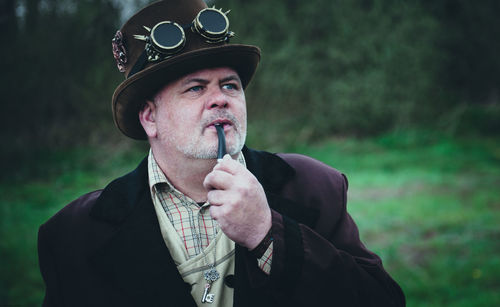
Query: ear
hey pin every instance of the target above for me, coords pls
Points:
(147, 116)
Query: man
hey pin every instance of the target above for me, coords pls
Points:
(186, 229)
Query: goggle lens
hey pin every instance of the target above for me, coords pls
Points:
(167, 36)
(212, 22)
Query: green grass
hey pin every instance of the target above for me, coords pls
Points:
(430, 208)
(428, 205)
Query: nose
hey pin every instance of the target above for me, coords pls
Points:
(216, 99)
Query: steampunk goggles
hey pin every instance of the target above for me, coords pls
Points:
(167, 38)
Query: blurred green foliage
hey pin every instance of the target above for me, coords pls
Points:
(60, 74)
(367, 67)
(329, 67)
(349, 67)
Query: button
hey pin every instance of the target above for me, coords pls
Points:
(229, 281)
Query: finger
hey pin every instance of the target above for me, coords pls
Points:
(217, 198)
(218, 180)
(228, 165)
(215, 212)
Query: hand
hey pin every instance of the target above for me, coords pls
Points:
(238, 203)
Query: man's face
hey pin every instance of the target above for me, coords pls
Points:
(187, 109)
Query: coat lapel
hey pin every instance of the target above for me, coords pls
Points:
(135, 257)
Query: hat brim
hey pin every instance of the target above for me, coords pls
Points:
(132, 93)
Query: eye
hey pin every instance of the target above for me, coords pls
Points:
(230, 86)
(196, 88)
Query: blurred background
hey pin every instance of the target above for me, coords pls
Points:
(401, 96)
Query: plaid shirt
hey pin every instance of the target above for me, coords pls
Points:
(192, 221)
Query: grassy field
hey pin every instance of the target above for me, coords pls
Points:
(428, 205)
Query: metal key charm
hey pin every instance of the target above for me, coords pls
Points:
(207, 297)
(210, 276)
(205, 293)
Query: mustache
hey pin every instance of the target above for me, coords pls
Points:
(221, 114)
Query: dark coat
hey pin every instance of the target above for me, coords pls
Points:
(106, 249)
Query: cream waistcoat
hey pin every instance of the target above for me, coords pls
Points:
(192, 269)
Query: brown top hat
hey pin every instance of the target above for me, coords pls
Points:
(146, 73)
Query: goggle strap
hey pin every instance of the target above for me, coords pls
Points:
(139, 64)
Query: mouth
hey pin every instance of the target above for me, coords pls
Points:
(225, 123)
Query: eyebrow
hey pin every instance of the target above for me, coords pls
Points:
(204, 81)
(231, 78)
(195, 80)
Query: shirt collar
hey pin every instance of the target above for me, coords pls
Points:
(156, 175)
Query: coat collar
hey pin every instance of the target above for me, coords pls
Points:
(271, 171)
(122, 195)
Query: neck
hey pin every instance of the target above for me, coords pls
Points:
(186, 174)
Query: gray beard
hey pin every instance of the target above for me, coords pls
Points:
(195, 150)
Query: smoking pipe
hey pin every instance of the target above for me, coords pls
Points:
(221, 151)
